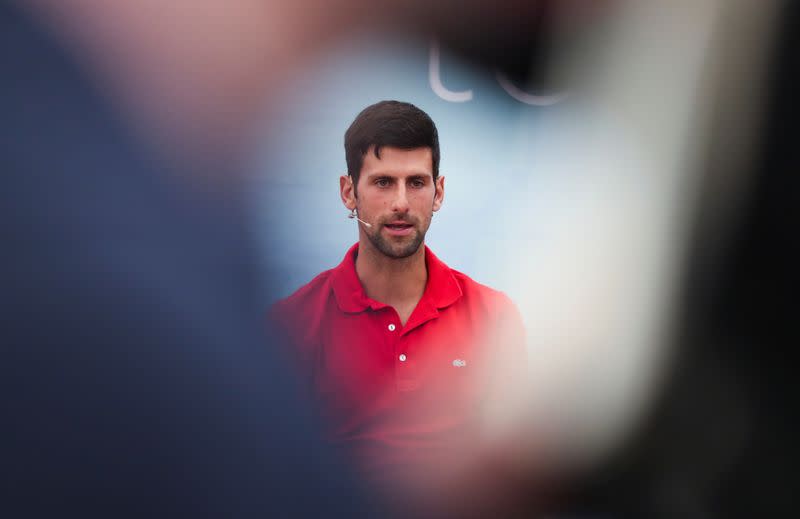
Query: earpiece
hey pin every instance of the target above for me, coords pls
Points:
(354, 215)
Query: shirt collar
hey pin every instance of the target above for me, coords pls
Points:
(441, 290)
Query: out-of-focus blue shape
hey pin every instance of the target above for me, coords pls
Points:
(136, 378)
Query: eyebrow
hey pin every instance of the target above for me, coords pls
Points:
(410, 176)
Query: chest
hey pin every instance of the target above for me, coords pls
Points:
(372, 356)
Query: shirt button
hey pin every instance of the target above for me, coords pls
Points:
(392, 327)
(402, 357)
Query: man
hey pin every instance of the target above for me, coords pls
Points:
(395, 346)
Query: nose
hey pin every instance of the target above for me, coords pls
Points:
(400, 200)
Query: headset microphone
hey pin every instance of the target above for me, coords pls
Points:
(352, 215)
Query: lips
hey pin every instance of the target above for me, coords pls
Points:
(398, 228)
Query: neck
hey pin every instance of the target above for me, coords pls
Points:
(399, 283)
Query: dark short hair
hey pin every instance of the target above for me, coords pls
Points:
(389, 123)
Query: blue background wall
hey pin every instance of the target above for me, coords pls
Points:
(486, 148)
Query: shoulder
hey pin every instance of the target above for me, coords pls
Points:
(479, 293)
(502, 315)
(484, 302)
(308, 296)
(298, 319)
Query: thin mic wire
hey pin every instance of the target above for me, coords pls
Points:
(353, 216)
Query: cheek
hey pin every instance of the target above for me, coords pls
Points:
(375, 205)
(423, 200)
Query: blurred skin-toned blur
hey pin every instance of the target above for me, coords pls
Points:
(195, 78)
(192, 76)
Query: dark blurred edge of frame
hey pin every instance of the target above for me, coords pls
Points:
(720, 440)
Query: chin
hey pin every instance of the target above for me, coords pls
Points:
(407, 251)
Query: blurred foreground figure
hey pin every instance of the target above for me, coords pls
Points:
(135, 382)
(720, 441)
(686, 268)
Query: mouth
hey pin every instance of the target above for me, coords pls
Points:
(398, 228)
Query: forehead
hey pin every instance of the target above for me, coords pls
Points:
(398, 162)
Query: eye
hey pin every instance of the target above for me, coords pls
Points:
(382, 182)
(417, 182)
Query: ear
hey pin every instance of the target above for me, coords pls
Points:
(347, 191)
(438, 197)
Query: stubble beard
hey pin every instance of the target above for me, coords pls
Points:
(396, 250)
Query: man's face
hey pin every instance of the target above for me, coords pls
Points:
(397, 195)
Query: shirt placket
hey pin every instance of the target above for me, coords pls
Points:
(405, 365)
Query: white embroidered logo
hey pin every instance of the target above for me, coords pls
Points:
(459, 363)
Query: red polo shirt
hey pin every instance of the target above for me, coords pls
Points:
(401, 397)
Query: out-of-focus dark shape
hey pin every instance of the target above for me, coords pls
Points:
(721, 439)
(515, 37)
(135, 377)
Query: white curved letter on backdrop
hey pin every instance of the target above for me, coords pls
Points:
(524, 97)
(435, 78)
